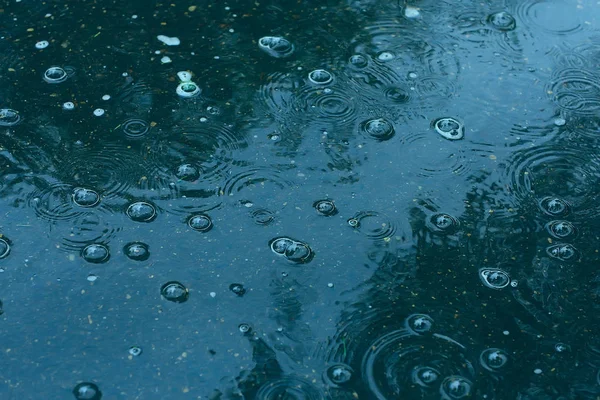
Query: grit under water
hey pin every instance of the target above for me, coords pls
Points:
(300, 199)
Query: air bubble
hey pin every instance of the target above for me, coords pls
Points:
(455, 387)
(95, 253)
(68, 106)
(98, 112)
(238, 289)
(560, 121)
(339, 375)
(276, 46)
(359, 61)
(187, 89)
(42, 44)
(563, 252)
(325, 207)
(55, 75)
(184, 76)
(561, 229)
(175, 292)
(425, 377)
(137, 251)
(449, 128)
(4, 247)
(419, 323)
(502, 21)
(9, 117)
(135, 128)
(85, 197)
(386, 56)
(354, 222)
(187, 172)
(493, 359)
(87, 391)
(200, 223)
(299, 253)
(442, 222)
(555, 206)
(411, 12)
(320, 77)
(141, 211)
(494, 278)
(379, 129)
(245, 328)
(135, 351)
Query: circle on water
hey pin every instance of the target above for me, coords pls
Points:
(561, 229)
(137, 251)
(42, 44)
(276, 46)
(359, 61)
(502, 21)
(493, 359)
(200, 223)
(95, 253)
(262, 216)
(555, 206)
(135, 351)
(187, 172)
(563, 252)
(442, 222)
(244, 328)
(379, 129)
(397, 95)
(55, 75)
(141, 211)
(449, 128)
(425, 377)
(279, 245)
(386, 56)
(187, 89)
(175, 292)
(325, 207)
(419, 323)
(494, 278)
(9, 117)
(455, 387)
(320, 77)
(299, 253)
(87, 391)
(135, 128)
(68, 106)
(339, 375)
(4, 247)
(354, 222)
(238, 289)
(85, 197)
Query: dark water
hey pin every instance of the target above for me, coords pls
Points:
(361, 200)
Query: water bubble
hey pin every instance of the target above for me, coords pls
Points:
(279, 245)
(354, 222)
(184, 76)
(560, 121)
(274, 137)
(502, 21)
(443, 223)
(386, 56)
(563, 252)
(187, 172)
(455, 387)
(276, 46)
(200, 223)
(141, 211)
(85, 197)
(238, 289)
(106, 97)
(561, 347)
(175, 292)
(245, 328)
(325, 207)
(98, 112)
(299, 253)
(137, 251)
(320, 77)
(55, 75)
(87, 391)
(561, 229)
(554, 206)
(135, 128)
(449, 128)
(359, 61)
(494, 278)
(339, 375)
(42, 44)
(95, 253)
(187, 89)
(9, 117)
(4, 247)
(68, 106)
(135, 351)
(379, 129)
(425, 377)
(419, 323)
(493, 359)
(411, 12)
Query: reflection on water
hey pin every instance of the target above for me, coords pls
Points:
(344, 199)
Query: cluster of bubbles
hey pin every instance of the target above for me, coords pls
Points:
(559, 229)
(276, 46)
(293, 250)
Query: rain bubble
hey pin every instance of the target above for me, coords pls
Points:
(175, 292)
(135, 128)
(98, 112)
(187, 89)
(502, 21)
(354, 222)
(561, 229)
(339, 375)
(141, 211)
(9, 117)
(87, 391)
(494, 278)
(279, 245)
(493, 359)
(85, 197)
(359, 61)
(238, 289)
(320, 77)
(419, 323)
(68, 106)
(425, 376)
(411, 12)
(276, 46)
(106, 97)
(386, 56)
(55, 75)
(449, 128)
(443, 223)
(187, 172)
(298, 252)
(95, 253)
(245, 328)
(135, 351)
(325, 207)
(379, 129)
(137, 251)
(4, 247)
(560, 121)
(554, 206)
(563, 252)
(455, 387)
(42, 44)
(200, 223)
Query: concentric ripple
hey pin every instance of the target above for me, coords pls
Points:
(9, 117)
(135, 128)
(554, 16)
(379, 129)
(256, 182)
(56, 202)
(289, 388)
(332, 104)
(374, 225)
(576, 90)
